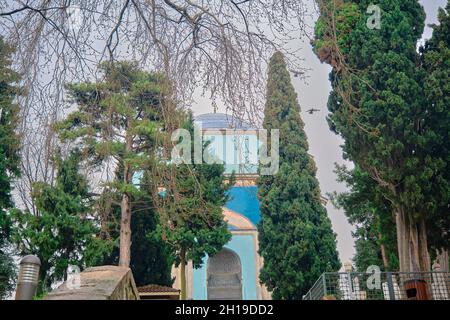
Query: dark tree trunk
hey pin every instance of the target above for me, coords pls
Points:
(183, 275)
(384, 257)
(125, 207)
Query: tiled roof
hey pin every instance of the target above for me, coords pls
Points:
(244, 200)
(154, 288)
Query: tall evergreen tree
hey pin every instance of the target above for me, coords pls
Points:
(370, 214)
(9, 162)
(379, 107)
(63, 232)
(436, 65)
(296, 237)
(116, 122)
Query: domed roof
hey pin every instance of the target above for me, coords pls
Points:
(221, 121)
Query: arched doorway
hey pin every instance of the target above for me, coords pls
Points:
(224, 276)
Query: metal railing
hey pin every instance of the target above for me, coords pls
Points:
(381, 286)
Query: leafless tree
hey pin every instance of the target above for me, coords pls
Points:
(220, 47)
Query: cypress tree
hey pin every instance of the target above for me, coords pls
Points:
(9, 162)
(380, 106)
(436, 65)
(63, 232)
(369, 213)
(295, 234)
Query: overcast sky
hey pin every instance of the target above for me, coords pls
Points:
(324, 145)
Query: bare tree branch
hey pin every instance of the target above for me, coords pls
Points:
(219, 46)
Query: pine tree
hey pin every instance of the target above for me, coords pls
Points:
(9, 162)
(296, 239)
(116, 122)
(63, 232)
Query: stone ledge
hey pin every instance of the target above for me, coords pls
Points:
(100, 283)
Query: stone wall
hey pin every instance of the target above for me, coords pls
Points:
(98, 283)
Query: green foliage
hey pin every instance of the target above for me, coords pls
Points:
(193, 208)
(121, 118)
(436, 63)
(9, 140)
(40, 296)
(7, 273)
(151, 258)
(9, 163)
(345, 15)
(62, 232)
(390, 104)
(388, 97)
(372, 216)
(118, 121)
(296, 238)
(126, 104)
